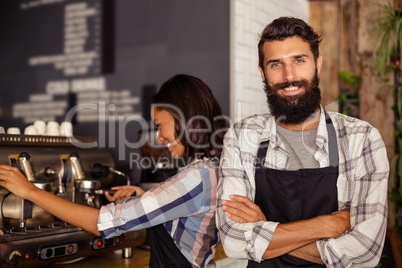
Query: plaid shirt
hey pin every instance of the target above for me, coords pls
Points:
(185, 204)
(362, 187)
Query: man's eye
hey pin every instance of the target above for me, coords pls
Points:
(275, 65)
(299, 61)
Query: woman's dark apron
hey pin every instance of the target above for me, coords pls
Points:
(164, 252)
(288, 196)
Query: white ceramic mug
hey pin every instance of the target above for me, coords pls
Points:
(40, 127)
(52, 124)
(13, 130)
(30, 130)
(66, 129)
(52, 128)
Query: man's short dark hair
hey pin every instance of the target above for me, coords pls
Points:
(286, 27)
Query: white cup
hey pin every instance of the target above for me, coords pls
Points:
(53, 132)
(66, 129)
(52, 128)
(40, 127)
(2, 131)
(52, 124)
(13, 130)
(30, 130)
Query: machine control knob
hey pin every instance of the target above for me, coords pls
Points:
(49, 252)
(15, 258)
(99, 170)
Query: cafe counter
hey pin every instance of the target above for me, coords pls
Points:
(139, 259)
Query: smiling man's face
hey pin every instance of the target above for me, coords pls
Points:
(291, 79)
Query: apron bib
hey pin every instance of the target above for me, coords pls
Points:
(288, 196)
(164, 252)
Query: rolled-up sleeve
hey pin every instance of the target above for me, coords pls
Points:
(362, 246)
(240, 241)
(179, 196)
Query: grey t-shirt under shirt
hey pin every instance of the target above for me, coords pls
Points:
(300, 146)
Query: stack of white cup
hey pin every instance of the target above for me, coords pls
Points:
(30, 130)
(66, 129)
(40, 127)
(13, 130)
(52, 128)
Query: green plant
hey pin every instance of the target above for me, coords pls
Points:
(351, 79)
(348, 99)
(387, 58)
(387, 54)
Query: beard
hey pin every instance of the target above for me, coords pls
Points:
(293, 110)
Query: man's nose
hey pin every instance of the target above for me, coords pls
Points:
(289, 73)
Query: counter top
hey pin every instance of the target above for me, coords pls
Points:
(139, 259)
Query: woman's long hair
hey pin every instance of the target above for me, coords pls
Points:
(199, 122)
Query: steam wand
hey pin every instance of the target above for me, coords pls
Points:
(121, 174)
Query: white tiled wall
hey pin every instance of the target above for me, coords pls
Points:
(248, 19)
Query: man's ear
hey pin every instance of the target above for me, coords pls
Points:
(319, 63)
(261, 72)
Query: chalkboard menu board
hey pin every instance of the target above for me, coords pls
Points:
(71, 37)
(59, 41)
(98, 62)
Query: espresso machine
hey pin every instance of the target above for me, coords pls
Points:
(30, 236)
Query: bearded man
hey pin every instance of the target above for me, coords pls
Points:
(301, 187)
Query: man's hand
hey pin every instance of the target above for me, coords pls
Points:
(308, 252)
(123, 192)
(294, 235)
(340, 221)
(242, 209)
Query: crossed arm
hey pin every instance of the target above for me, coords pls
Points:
(363, 189)
(296, 238)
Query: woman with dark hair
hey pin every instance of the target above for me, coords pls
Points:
(180, 212)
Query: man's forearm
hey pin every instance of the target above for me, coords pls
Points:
(308, 252)
(291, 236)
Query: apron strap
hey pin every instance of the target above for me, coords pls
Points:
(261, 154)
(332, 142)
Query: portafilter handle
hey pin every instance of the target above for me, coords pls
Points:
(24, 159)
(74, 159)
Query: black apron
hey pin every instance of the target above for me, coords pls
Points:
(164, 252)
(288, 196)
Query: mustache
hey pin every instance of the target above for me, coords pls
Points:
(297, 83)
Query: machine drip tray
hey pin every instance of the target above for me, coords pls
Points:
(15, 234)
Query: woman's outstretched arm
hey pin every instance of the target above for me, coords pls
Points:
(78, 215)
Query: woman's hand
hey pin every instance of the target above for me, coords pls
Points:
(242, 209)
(13, 180)
(123, 192)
